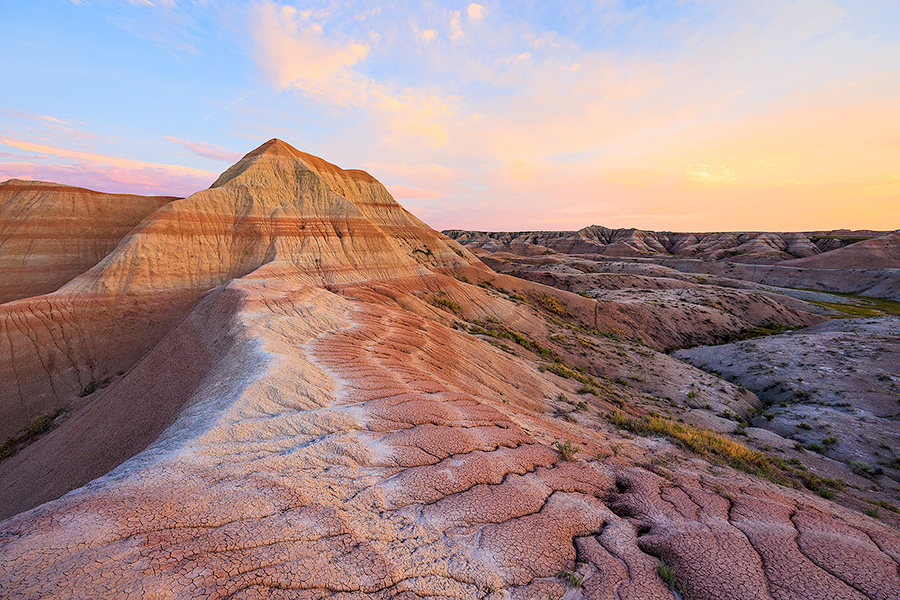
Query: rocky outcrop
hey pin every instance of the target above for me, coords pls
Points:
(278, 210)
(854, 262)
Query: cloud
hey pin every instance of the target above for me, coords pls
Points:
(49, 127)
(427, 35)
(210, 151)
(475, 11)
(455, 25)
(293, 51)
(295, 54)
(404, 192)
(107, 173)
(94, 157)
(706, 174)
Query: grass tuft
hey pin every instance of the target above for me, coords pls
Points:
(449, 305)
(567, 449)
(552, 304)
(667, 574)
(571, 578)
(40, 425)
(703, 442)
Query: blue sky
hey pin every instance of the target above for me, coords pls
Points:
(687, 115)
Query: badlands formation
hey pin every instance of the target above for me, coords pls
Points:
(287, 386)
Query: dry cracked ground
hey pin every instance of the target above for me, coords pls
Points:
(368, 411)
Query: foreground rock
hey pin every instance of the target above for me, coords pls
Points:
(831, 389)
(346, 448)
(342, 410)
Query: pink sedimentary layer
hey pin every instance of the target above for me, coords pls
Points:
(348, 448)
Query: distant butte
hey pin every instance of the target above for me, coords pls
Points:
(288, 386)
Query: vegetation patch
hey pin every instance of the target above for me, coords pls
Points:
(449, 305)
(757, 332)
(703, 442)
(567, 449)
(882, 504)
(667, 574)
(495, 329)
(571, 578)
(859, 306)
(863, 469)
(851, 310)
(36, 428)
(552, 304)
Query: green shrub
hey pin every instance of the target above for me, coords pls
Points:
(552, 304)
(863, 469)
(567, 449)
(448, 304)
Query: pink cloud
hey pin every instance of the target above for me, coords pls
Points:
(29, 117)
(104, 173)
(210, 151)
(403, 192)
(146, 181)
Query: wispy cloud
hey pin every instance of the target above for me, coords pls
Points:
(210, 151)
(293, 51)
(692, 114)
(106, 173)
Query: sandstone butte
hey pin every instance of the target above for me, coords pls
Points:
(270, 389)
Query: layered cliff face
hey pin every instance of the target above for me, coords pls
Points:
(335, 408)
(50, 233)
(279, 207)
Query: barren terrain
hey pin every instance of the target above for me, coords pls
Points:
(287, 386)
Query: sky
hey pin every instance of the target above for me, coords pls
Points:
(679, 115)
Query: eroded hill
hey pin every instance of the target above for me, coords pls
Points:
(321, 396)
